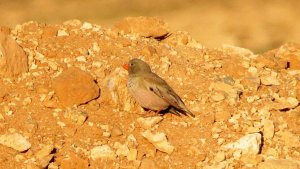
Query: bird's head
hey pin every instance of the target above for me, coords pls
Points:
(137, 66)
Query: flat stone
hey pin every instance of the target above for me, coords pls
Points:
(159, 140)
(13, 60)
(103, 151)
(75, 87)
(248, 144)
(43, 152)
(149, 122)
(15, 141)
(268, 129)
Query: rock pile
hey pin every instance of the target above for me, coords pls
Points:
(64, 102)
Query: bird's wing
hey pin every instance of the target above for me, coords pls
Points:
(160, 87)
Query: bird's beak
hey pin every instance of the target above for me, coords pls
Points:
(126, 66)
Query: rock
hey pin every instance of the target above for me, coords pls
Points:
(159, 140)
(268, 60)
(144, 26)
(15, 141)
(45, 151)
(81, 59)
(248, 144)
(252, 70)
(217, 97)
(13, 60)
(285, 103)
(269, 80)
(149, 122)
(76, 116)
(202, 156)
(230, 91)
(131, 141)
(123, 150)
(251, 82)
(220, 86)
(75, 87)
(52, 165)
(220, 156)
(268, 129)
(293, 61)
(148, 163)
(62, 32)
(116, 131)
(279, 164)
(115, 83)
(44, 162)
(103, 151)
(106, 134)
(291, 53)
(132, 155)
(86, 25)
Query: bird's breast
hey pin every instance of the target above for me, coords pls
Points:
(145, 97)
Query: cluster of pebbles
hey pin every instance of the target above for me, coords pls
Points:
(64, 102)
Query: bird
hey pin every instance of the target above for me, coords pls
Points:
(151, 91)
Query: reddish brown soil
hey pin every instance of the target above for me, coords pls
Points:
(227, 89)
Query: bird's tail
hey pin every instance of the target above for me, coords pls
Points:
(189, 112)
(177, 112)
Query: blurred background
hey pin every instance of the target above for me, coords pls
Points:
(259, 25)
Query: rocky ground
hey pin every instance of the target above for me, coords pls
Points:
(64, 102)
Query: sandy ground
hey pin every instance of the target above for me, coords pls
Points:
(246, 104)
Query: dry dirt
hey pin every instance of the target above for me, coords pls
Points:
(246, 105)
(252, 24)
